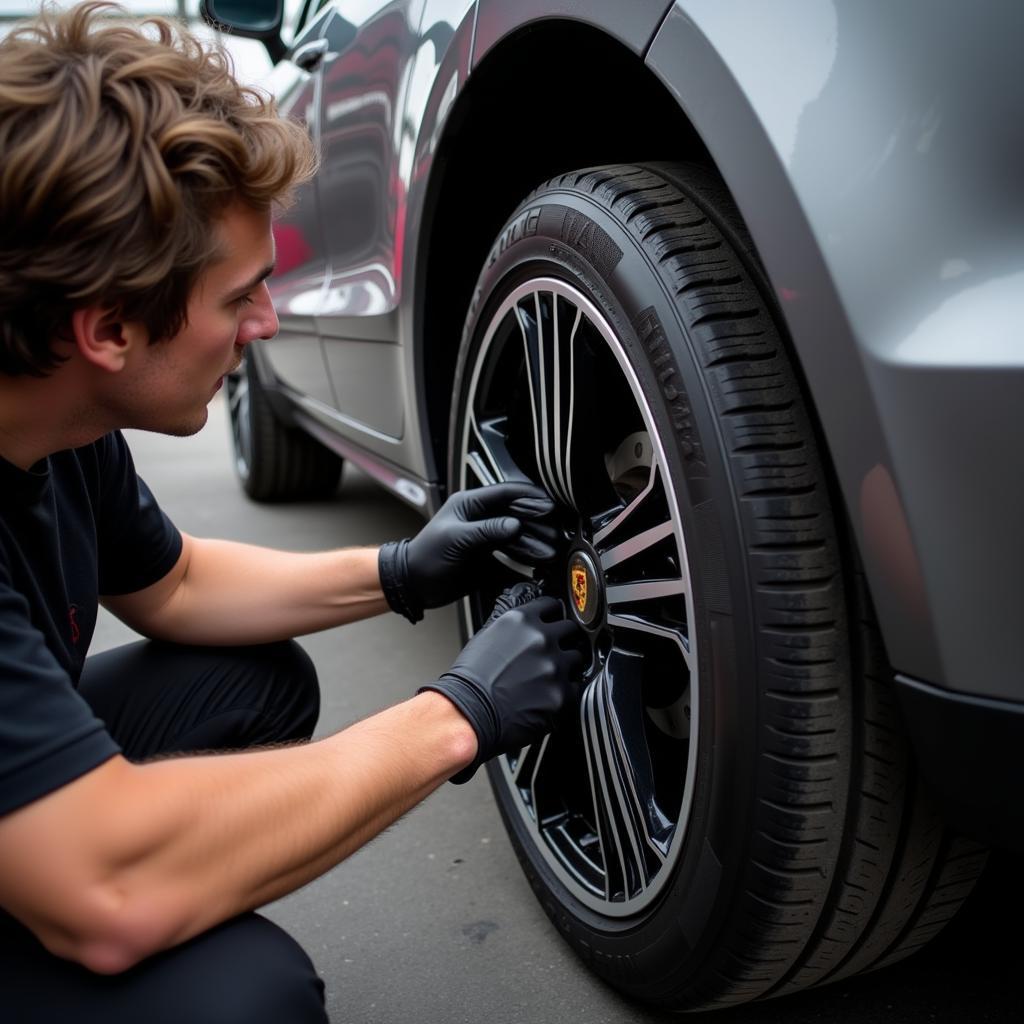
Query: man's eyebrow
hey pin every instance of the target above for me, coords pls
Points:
(250, 284)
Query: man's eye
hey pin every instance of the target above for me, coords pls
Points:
(244, 300)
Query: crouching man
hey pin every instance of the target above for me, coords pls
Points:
(136, 190)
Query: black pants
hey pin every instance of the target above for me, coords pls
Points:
(159, 699)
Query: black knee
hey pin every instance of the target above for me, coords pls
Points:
(162, 698)
(297, 683)
(249, 971)
(245, 971)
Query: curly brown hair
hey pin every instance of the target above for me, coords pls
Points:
(122, 144)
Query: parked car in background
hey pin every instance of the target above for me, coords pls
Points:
(741, 285)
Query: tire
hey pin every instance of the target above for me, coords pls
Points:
(734, 812)
(275, 463)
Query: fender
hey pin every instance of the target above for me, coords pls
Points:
(886, 211)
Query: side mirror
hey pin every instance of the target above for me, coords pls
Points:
(252, 19)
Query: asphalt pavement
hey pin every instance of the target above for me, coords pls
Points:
(433, 921)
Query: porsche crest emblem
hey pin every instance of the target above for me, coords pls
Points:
(579, 588)
(585, 592)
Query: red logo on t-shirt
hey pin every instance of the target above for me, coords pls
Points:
(75, 631)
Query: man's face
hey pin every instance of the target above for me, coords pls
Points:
(170, 384)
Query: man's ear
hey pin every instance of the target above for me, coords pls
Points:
(104, 339)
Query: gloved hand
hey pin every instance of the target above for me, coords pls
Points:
(515, 675)
(439, 564)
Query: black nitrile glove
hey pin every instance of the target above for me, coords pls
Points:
(439, 564)
(515, 676)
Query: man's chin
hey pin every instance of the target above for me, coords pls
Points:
(184, 427)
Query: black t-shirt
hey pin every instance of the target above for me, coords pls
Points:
(76, 525)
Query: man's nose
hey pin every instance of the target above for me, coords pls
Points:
(263, 322)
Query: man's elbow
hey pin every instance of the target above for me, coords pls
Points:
(106, 955)
(107, 935)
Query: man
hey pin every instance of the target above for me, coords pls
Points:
(136, 191)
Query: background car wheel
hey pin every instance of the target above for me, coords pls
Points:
(274, 462)
(733, 813)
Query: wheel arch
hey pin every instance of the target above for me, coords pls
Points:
(553, 132)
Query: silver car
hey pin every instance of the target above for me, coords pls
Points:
(741, 284)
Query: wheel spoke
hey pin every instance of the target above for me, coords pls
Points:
(488, 461)
(487, 456)
(602, 534)
(634, 834)
(635, 545)
(645, 590)
(527, 767)
(550, 359)
(640, 624)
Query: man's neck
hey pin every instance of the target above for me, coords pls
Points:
(40, 416)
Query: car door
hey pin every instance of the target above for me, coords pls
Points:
(297, 286)
(371, 46)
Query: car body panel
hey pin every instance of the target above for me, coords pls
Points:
(297, 284)
(376, 140)
(361, 116)
(886, 206)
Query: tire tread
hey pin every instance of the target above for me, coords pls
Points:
(287, 464)
(896, 876)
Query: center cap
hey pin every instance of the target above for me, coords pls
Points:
(584, 588)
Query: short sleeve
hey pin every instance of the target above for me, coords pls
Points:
(49, 735)
(138, 544)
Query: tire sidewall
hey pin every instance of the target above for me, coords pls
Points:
(563, 234)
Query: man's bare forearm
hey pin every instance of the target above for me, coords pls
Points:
(222, 592)
(166, 850)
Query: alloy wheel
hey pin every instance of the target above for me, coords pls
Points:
(552, 398)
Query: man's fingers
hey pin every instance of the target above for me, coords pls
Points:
(530, 549)
(532, 508)
(532, 543)
(494, 532)
(545, 609)
(483, 501)
(567, 634)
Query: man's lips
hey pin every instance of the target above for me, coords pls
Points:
(235, 366)
(230, 370)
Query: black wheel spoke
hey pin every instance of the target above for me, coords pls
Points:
(526, 769)
(648, 496)
(634, 833)
(487, 461)
(487, 457)
(644, 590)
(559, 411)
(636, 545)
(640, 624)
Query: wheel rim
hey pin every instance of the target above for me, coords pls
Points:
(552, 397)
(241, 421)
